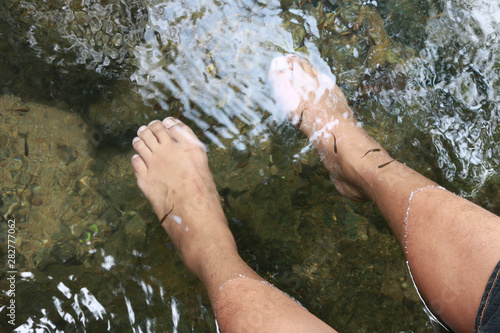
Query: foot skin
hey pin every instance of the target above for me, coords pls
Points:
(172, 171)
(314, 103)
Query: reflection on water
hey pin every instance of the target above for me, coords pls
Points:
(214, 58)
(455, 88)
(423, 77)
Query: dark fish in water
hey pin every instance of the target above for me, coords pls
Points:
(166, 215)
(385, 164)
(20, 109)
(26, 148)
(371, 151)
(300, 120)
(383, 78)
(334, 143)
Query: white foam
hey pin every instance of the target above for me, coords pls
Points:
(240, 276)
(294, 86)
(324, 132)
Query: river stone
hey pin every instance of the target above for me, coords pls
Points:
(48, 184)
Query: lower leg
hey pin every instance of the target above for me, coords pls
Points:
(172, 171)
(451, 244)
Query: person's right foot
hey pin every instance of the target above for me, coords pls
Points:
(315, 104)
(172, 171)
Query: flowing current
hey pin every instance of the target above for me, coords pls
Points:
(214, 57)
(207, 62)
(454, 91)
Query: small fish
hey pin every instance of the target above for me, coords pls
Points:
(371, 151)
(20, 109)
(300, 120)
(334, 143)
(26, 148)
(385, 164)
(166, 215)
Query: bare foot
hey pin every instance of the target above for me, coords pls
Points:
(315, 104)
(172, 171)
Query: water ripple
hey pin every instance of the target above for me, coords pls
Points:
(214, 58)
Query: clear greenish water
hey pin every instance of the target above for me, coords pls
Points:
(77, 78)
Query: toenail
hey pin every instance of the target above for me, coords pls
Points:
(151, 123)
(169, 122)
(141, 129)
(134, 157)
(135, 140)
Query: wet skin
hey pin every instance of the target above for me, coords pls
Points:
(172, 171)
(440, 233)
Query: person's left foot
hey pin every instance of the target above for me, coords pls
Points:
(172, 171)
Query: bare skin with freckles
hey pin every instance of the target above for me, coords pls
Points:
(451, 245)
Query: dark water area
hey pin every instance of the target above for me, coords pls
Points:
(77, 78)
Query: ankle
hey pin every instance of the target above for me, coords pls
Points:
(199, 244)
(353, 160)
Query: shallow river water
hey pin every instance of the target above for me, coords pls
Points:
(77, 78)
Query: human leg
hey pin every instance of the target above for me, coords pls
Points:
(172, 171)
(451, 245)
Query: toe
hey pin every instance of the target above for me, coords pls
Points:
(303, 63)
(170, 122)
(180, 132)
(141, 148)
(149, 138)
(159, 132)
(139, 166)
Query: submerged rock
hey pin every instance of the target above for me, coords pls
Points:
(48, 185)
(70, 51)
(97, 34)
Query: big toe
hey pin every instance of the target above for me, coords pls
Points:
(180, 132)
(283, 83)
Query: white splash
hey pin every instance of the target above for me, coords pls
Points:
(325, 132)
(240, 276)
(293, 86)
(175, 314)
(109, 262)
(412, 195)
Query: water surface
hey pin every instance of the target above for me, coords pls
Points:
(422, 76)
